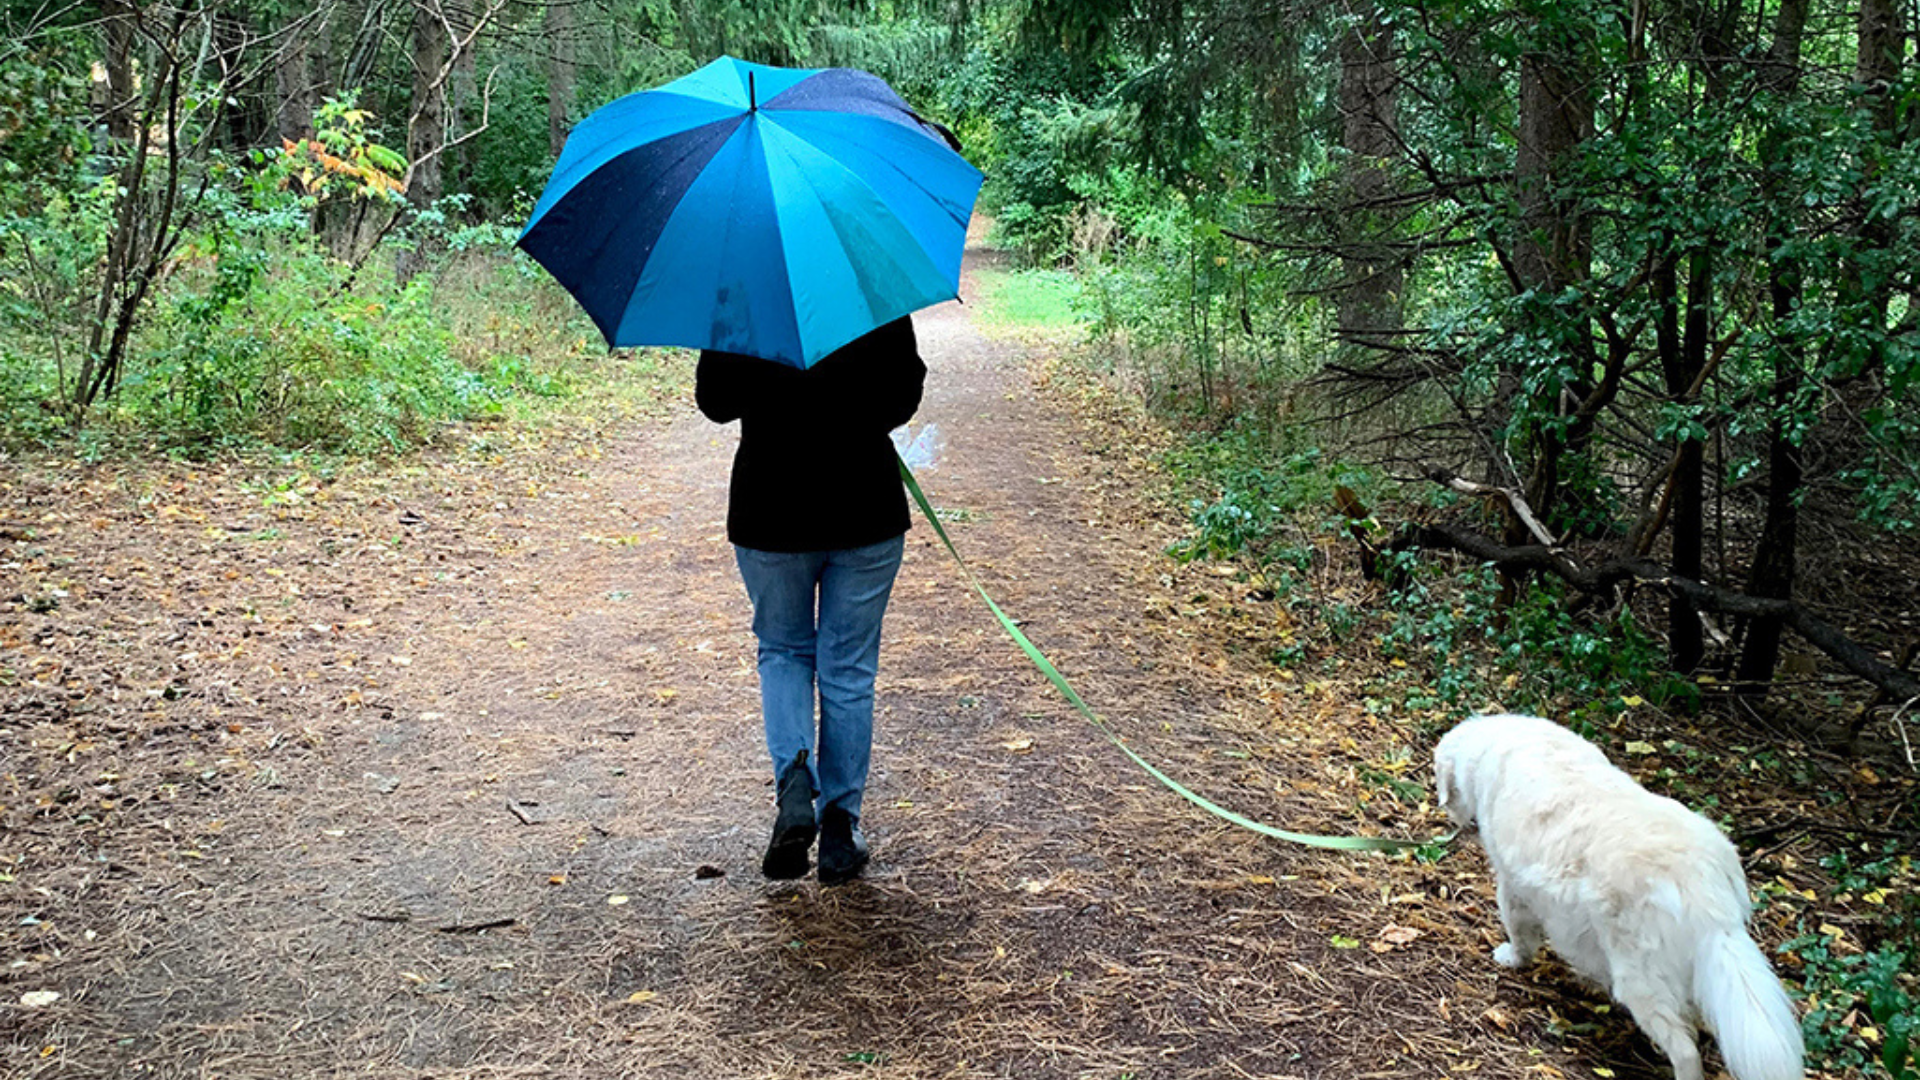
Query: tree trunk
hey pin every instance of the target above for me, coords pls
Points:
(1369, 302)
(1686, 638)
(1877, 70)
(1774, 560)
(1554, 249)
(464, 111)
(293, 83)
(559, 27)
(122, 95)
(427, 124)
(1688, 646)
(1556, 118)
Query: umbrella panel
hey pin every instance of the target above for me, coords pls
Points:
(597, 239)
(718, 274)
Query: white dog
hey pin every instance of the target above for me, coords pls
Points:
(1636, 892)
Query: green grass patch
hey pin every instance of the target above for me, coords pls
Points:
(1028, 300)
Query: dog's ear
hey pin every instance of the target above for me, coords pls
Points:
(1446, 791)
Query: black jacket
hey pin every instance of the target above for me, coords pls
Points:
(815, 470)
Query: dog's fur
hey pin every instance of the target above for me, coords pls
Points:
(1634, 891)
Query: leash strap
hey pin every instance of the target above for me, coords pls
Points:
(1060, 683)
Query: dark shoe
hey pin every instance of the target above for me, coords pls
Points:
(794, 826)
(843, 847)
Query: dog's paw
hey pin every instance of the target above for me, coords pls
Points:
(1508, 956)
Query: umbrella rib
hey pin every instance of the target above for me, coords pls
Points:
(888, 162)
(821, 204)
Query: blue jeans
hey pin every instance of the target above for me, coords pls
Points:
(817, 615)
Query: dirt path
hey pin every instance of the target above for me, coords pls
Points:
(262, 743)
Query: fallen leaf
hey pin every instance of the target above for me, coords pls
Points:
(557, 879)
(39, 999)
(1017, 746)
(1394, 937)
(1641, 748)
(641, 997)
(1342, 941)
(616, 901)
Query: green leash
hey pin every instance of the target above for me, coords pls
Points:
(1059, 681)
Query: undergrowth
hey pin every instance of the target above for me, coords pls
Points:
(1028, 299)
(1443, 646)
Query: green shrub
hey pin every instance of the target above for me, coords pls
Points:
(285, 353)
(1861, 1006)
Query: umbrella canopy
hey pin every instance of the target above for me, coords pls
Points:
(775, 212)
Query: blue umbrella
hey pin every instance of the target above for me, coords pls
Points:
(775, 212)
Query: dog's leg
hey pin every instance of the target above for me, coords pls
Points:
(1525, 935)
(1660, 1018)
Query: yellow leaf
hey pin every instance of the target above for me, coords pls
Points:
(1018, 746)
(616, 901)
(557, 879)
(1877, 896)
(641, 997)
(1631, 701)
(1641, 748)
(1832, 931)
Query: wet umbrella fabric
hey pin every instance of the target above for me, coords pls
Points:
(774, 212)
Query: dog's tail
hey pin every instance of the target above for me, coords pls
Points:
(1746, 1008)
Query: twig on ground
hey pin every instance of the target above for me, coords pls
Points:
(475, 928)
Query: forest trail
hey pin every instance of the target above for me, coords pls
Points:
(457, 772)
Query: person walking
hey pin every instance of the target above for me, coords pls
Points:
(818, 519)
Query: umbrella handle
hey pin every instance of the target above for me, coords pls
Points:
(753, 102)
